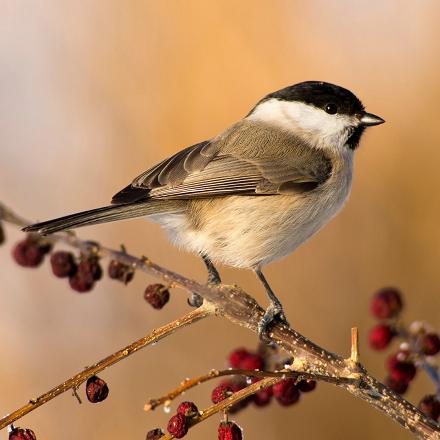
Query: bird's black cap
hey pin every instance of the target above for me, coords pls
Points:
(320, 94)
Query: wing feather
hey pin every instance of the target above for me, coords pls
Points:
(246, 159)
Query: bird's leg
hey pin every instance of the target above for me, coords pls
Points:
(213, 278)
(273, 312)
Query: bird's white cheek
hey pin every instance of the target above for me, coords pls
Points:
(317, 126)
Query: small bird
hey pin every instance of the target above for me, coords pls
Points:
(255, 192)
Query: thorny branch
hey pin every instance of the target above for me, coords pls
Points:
(232, 303)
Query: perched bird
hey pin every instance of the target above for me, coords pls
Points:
(255, 192)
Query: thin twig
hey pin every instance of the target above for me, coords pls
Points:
(232, 303)
(75, 381)
(214, 374)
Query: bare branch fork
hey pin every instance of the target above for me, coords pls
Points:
(234, 304)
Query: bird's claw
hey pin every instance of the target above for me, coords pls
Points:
(273, 314)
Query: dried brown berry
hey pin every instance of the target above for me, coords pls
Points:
(63, 264)
(387, 303)
(397, 386)
(178, 426)
(229, 431)
(188, 409)
(430, 405)
(430, 344)
(401, 369)
(157, 295)
(120, 271)
(236, 357)
(221, 392)
(29, 252)
(286, 392)
(306, 385)
(22, 434)
(380, 336)
(96, 389)
(155, 434)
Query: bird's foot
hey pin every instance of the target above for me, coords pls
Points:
(274, 314)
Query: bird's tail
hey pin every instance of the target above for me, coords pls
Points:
(106, 214)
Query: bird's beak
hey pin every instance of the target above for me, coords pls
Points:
(368, 119)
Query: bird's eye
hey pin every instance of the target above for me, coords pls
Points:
(331, 108)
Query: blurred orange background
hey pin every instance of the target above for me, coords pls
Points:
(93, 93)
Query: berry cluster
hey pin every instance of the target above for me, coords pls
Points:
(286, 392)
(418, 346)
(82, 272)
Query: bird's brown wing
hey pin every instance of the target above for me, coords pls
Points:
(242, 161)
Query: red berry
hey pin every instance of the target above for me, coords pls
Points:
(82, 281)
(178, 426)
(96, 389)
(63, 264)
(380, 336)
(229, 431)
(401, 369)
(252, 362)
(120, 271)
(397, 386)
(387, 303)
(91, 266)
(155, 434)
(157, 295)
(430, 405)
(188, 409)
(286, 392)
(263, 397)
(235, 385)
(221, 392)
(306, 385)
(236, 357)
(28, 253)
(22, 434)
(430, 344)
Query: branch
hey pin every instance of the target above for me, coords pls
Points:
(214, 374)
(232, 303)
(75, 381)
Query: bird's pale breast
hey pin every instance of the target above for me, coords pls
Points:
(247, 231)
